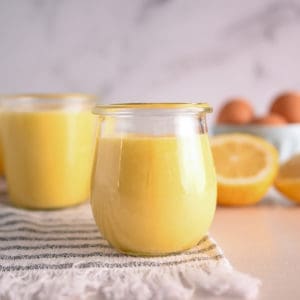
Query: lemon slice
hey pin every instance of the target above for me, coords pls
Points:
(246, 166)
(288, 179)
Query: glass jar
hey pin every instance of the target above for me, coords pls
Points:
(153, 183)
(48, 142)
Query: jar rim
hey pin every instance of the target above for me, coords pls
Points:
(46, 102)
(199, 107)
(48, 96)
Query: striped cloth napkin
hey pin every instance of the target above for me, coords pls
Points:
(61, 255)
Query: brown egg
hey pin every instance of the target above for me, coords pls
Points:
(288, 106)
(271, 119)
(236, 111)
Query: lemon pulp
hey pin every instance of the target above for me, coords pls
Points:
(246, 166)
(288, 179)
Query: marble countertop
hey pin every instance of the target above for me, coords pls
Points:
(151, 50)
(269, 233)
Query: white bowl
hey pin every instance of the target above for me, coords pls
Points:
(285, 138)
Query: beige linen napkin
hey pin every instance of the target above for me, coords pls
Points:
(61, 255)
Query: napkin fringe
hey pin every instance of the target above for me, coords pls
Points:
(158, 283)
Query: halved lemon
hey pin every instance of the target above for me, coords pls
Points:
(288, 179)
(246, 166)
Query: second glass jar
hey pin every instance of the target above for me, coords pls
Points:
(48, 143)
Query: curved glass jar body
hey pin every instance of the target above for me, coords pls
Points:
(48, 143)
(153, 183)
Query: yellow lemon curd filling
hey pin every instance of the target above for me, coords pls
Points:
(153, 195)
(48, 157)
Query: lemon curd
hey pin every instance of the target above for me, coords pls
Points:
(47, 156)
(1, 158)
(153, 195)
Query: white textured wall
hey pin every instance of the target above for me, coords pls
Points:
(151, 49)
